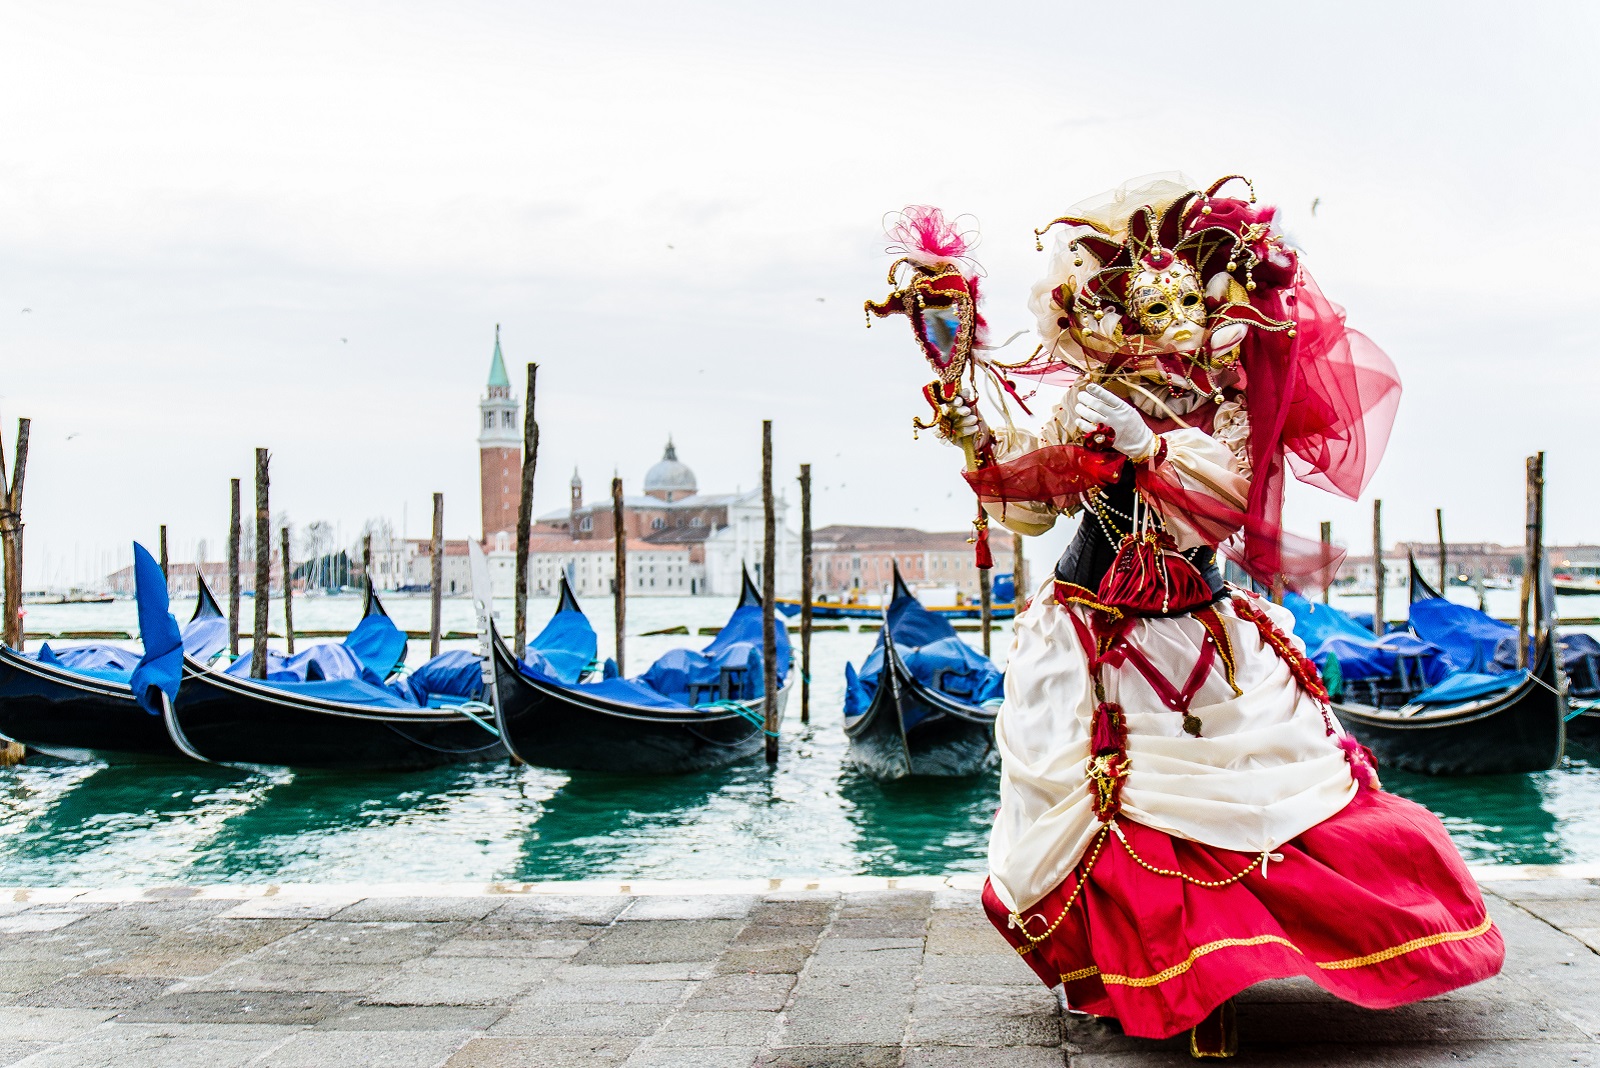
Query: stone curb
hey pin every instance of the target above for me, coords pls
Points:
(1484, 873)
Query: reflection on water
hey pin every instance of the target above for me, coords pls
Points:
(66, 824)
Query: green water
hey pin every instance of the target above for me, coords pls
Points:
(67, 824)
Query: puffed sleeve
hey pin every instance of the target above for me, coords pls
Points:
(1198, 464)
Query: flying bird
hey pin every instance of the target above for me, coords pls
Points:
(1314, 202)
(821, 300)
(345, 340)
(25, 311)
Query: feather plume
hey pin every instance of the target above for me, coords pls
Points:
(923, 234)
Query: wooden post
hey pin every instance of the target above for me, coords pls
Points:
(166, 575)
(807, 590)
(1444, 579)
(288, 592)
(12, 631)
(1019, 578)
(985, 605)
(530, 460)
(1327, 540)
(233, 571)
(258, 654)
(436, 577)
(619, 576)
(769, 622)
(1530, 615)
(1377, 568)
(366, 562)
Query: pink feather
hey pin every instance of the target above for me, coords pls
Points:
(924, 234)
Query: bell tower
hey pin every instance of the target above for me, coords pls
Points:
(576, 504)
(499, 450)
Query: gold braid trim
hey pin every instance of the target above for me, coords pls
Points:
(1083, 877)
(1260, 940)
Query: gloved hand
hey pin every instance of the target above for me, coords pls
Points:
(965, 422)
(1097, 405)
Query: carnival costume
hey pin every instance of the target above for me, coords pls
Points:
(1181, 815)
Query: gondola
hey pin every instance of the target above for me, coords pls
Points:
(1506, 730)
(82, 715)
(344, 724)
(626, 725)
(913, 725)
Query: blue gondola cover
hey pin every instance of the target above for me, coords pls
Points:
(160, 669)
(933, 653)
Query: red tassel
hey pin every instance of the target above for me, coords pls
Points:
(1110, 729)
(981, 554)
(1144, 579)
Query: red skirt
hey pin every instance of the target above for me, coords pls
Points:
(1373, 904)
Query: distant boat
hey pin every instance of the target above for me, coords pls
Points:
(69, 597)
(693, 710)
(1475, 722)
(924, 703)
(1577, 580)
(76, 704)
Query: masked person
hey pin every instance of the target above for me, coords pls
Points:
(1181, 815)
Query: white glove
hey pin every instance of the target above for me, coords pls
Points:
(965, 422)
(1097, 405)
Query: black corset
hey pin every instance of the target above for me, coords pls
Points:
(1089, 557)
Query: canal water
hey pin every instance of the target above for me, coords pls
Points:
(83, 824)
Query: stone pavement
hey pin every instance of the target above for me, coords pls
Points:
(783, 980)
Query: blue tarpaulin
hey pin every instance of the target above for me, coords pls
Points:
(449, 678)
(379, 644)
(729, 668)
(1468, 636)
(564, 649)
(1468, 686)
(933, 653)
(348, 691)
(102, 661)
(329, 660)
(160, 669)
(1327, 632)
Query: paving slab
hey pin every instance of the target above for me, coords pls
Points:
(785, 979)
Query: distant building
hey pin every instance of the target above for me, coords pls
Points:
(699, 542)
(845, 558)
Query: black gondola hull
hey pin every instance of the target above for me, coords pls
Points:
(947, 739)
(551, 726)
(1522, 730)
(235, 721)
(65, 714)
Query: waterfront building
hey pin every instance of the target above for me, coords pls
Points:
(706, 539)
(854, 558)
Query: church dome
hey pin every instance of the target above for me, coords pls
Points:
(670, 479)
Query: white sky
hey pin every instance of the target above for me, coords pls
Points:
(675, 209)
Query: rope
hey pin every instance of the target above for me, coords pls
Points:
(757, 719)
(469, 709)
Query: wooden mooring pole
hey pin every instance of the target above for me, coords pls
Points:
(366, 563)
(263, 602)
(436, 576)
(619, 577)
(807, 589)
(12, 631)
(234, 521)
(1378, 577)
(1530, 615)
(288, 590)
(1019, 578)
(769, 622)
(1444, 576)
(530, 460)
(985, 605)
(166, 575)
(1327, 542)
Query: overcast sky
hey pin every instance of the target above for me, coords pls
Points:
(296, 225)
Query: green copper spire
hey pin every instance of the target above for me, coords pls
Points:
(497, 369)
